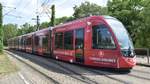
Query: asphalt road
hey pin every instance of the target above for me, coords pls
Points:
(40, 70)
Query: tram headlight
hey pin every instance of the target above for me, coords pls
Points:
(128, 53)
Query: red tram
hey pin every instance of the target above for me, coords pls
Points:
(100, 41)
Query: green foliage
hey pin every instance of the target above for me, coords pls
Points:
(133, 14)
(63, 20)
(87, 8)
(1, 29)
(44, 25)
(26, 28)
(143, 33)
(57, 21)
(125, 10)
(10, 31)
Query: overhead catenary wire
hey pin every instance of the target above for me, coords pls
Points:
(15, 16)
(45, 6)
(26, 5)
(19, 15)
(44, 3)
(9, 12)
(47, 14)
(7, 7)
(13, 8)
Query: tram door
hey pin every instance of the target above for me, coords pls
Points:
(79, 45)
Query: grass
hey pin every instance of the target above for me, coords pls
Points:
(6, 66)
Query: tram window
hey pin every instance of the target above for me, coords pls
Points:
(40, 41)
(45, 41)
(68, 40)
(79, 42)
(28, 41)
(36, 40)
(59, 40)
(21, 41)
(15, 42)
(102, 38)
(24, 41)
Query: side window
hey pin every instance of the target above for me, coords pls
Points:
(45, 41)
(21, 41)
(40, 41)
(79, 42)
(29, 41)
(24, 41)
(59, 40)
(68, 40)
(102, 38)
(36, 40)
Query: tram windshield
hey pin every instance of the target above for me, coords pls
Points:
(121, 33)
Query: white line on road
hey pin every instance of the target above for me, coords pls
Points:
(22, 77)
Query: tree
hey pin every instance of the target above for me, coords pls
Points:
(128, 12)
(26, 28)
(57, 21)
(134, 14)
(63, 19)
(143, 35)
(44, 25)
(87, 8)
(1, 30)
(10, 31)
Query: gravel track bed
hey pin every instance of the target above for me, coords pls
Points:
(73, 74)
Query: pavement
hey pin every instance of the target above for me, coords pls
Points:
(13, 78)
(26, 75)
(143, 61)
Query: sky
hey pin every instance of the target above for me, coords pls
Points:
(22, 11)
